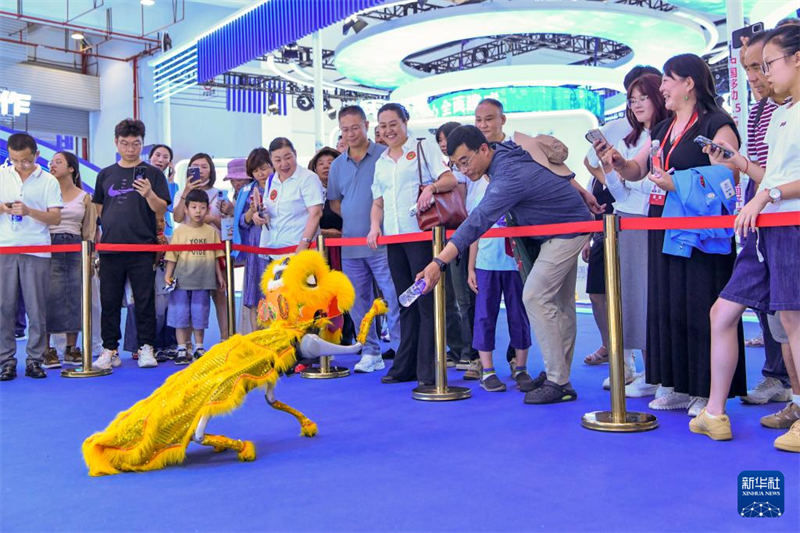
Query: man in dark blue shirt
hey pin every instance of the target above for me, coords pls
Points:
(534, 195)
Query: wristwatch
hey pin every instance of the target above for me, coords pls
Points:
(775, 195)
(442, 265)
(306, 240)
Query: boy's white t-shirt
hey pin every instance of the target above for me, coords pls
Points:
(783, 157)
(491, 251)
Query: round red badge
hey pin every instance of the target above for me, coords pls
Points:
(411, 155)
(273, 194)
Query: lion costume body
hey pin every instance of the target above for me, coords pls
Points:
(303, 304)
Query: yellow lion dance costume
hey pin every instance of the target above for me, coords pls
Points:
(303, 305)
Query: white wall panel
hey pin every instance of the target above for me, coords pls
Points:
(52, 86)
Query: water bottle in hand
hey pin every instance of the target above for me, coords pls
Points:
(412, 293)
(16, 220)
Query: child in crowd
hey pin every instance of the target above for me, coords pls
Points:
(493, 274)
(195, 273)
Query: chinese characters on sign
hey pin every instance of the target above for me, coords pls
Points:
(14, 103)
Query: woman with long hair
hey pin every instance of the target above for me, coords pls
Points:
(78, 222)
(645, 109)
(682, 289)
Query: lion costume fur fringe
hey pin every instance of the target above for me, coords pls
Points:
(156, 431)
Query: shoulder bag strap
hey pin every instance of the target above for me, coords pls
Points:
(759, 111)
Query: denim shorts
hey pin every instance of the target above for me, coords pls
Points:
(188, 309)
(766, 275)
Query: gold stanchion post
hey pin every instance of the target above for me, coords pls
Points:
(325, 370)
(86, 370)
(619, 419)
(440, 392)
(231, 288)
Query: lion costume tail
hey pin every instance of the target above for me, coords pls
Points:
(379, 307)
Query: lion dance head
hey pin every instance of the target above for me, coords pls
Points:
(301, 290)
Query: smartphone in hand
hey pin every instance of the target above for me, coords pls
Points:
(747, 31)
(705, 141)
(193, 174)
(596, 135)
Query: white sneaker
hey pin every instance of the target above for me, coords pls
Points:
(369, 363)
(671, 401)
(630, 375)
(106, 359)
(115, 360)
(768, 390)
(639, 388)
(663, 391)
(146, 357)
(697, 404)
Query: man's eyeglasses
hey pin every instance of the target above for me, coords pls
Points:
(641, 100)
(765, 66)
(24, 163)
(463, 166)
(126, 144)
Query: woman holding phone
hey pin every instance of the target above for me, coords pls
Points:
(201, 174)
(682, 290)
(252, 220)
(632, 200)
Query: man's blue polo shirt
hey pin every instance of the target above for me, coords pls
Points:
(351, 182)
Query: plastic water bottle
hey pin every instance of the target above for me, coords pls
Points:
(16, 220)
(655, 155)
(412, 293)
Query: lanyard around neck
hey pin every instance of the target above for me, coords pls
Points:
(686, 128)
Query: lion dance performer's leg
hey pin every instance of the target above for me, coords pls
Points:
(246, 449)
(307, 427)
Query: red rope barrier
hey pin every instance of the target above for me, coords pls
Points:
(269, 251)
(9, 250)
(422, 236)
(770, 220)
(107, 247)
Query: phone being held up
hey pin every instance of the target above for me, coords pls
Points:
(747, 32)
(193, 174)
(595, 135)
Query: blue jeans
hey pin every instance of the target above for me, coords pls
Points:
(362, 272)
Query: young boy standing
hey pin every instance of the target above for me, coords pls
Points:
(493, 274)
(196, 273)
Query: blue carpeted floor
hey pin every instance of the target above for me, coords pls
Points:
(384, 462)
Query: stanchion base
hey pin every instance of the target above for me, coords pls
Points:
(316, 373)
(78, 372)
(634, 422)
(428, 393)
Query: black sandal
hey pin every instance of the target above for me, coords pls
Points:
(550, 392)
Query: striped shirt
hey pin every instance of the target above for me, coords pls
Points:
(756, 147)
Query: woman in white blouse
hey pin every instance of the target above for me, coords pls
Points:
(399, 171)
(645, 110)
(293, 200)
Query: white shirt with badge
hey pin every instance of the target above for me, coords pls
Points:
(783, 158)
(41, 192)
(397, 182)
(287, 205)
